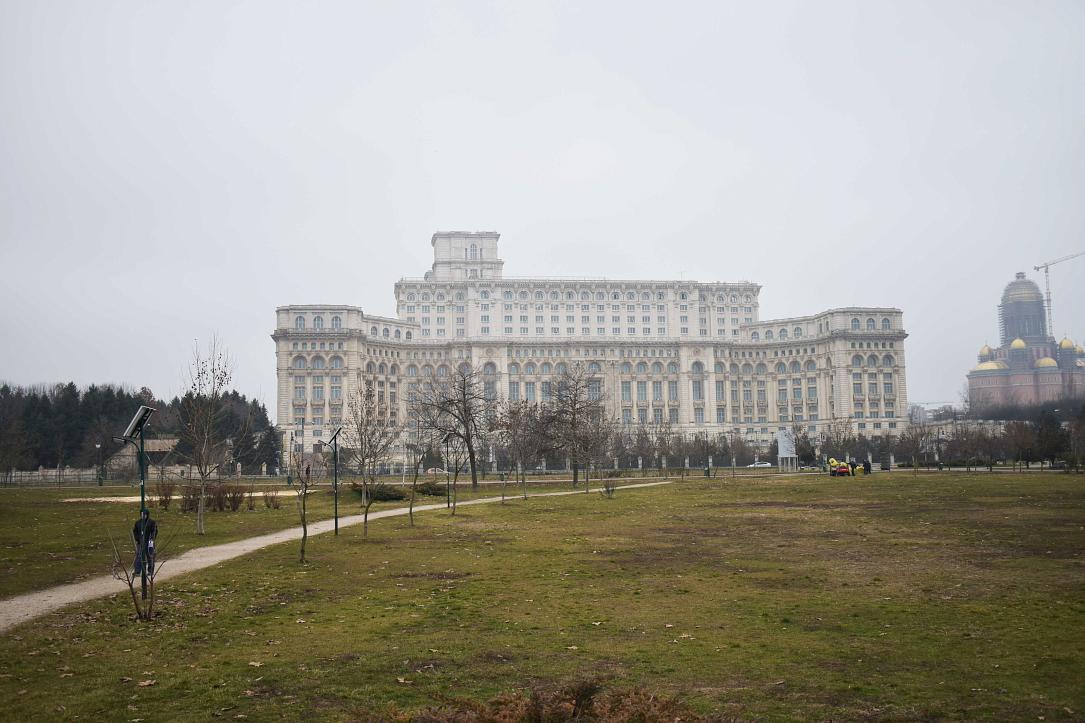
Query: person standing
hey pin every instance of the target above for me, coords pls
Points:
(143, 534)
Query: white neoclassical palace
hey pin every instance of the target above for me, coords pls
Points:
(695, 354)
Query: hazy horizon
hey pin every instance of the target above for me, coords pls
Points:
(177, 170)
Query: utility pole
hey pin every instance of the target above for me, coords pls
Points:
(1047, 286)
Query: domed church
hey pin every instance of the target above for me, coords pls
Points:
(1029, 367)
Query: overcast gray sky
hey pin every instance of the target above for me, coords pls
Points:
(169, 170)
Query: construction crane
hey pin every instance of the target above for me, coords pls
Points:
(1047, 285)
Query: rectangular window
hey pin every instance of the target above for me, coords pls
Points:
(489, 390)
(299, 392)
(698, 415)
(657, 415)
(672, 415)
(719, 392)
(546, 391)
(811, 392)
(889, 388)
(642, 415)
(721, 415)
(529, 391)
(642, 391)
(627, 416)
(318, 394)
(657, 391)
(698, 390)
(857, 389)
(627, 391)
(514, 391)
(672, 391)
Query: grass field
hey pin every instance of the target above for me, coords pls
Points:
(45, 541)
(894, 597)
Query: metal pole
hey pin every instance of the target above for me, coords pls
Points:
(448, 479)
(142, 507)
(335, 462)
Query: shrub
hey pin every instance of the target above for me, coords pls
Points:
(250, 498)
(380, 492)
(190, 497)
(164, 491)
(234, 495)
(431, 489)
(271, 499)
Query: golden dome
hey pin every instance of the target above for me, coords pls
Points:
(985, 350)
(1080, 349)
(1066, 344)
(1046, 363)
(990, 366)
(1022, 290)
(1018, 343)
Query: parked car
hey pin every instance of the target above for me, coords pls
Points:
(435, 470)
(759, 464)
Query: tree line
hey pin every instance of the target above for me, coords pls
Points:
(56, 426)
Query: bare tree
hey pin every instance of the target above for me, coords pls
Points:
(457, 406)
(577, 401)
(839, 436)
(419, 442)
(371, 436)
(1021, 440)
(911, 442)
(302, 472)
(525, 429)
(133, 579)
(203, 438)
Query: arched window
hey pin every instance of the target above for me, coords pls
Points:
(523, 294)
(782, 334)
(645, 296)
(371, 368)
(747, 369)
(768, 334)
(529, 368)
(718, 368)
(464, 368)
(616, 296)
(697, 368)
(425, 297)
(657, 368)
(442, 371)
(489, 368)
(337, 323)
(337, 362)
(672, 368)
(642, 368)
(600, 296)
(299, 362)
(410, 297)
(484, 295)
(798, 332)
(507, 295)
(888, 360)
(870, 325)
(795, 367)
(555, 295)
(514, 368)
(539, 296)
(734, 369)
(734, 298)
(630, 296)
(594, 368)
(427, 370)
(546, 368)
(440, 297)
(408, 336)
(299, 322)
(385, 332)
(857, 361)
(811, 366)
(585, 296)
(383, 368)
(373, 331)
(397, 333)
(761, 369)
(781, 368)
(569, 296)
(412, 370)
(872, 361)
(474, 252)
(683, 296)
(318, 322)
(393, 370)
(318, 362)
(855, 325)
(755, 336)
(627, 368)
(561, 368)
(885, 324)
(459, 296)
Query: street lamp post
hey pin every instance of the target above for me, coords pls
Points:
(335, 475)
(136, 427)
(98, 452)
(448, 476)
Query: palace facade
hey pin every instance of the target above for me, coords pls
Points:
(694, 354)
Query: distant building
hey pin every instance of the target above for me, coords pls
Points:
(692, 354)
(1029, 366)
